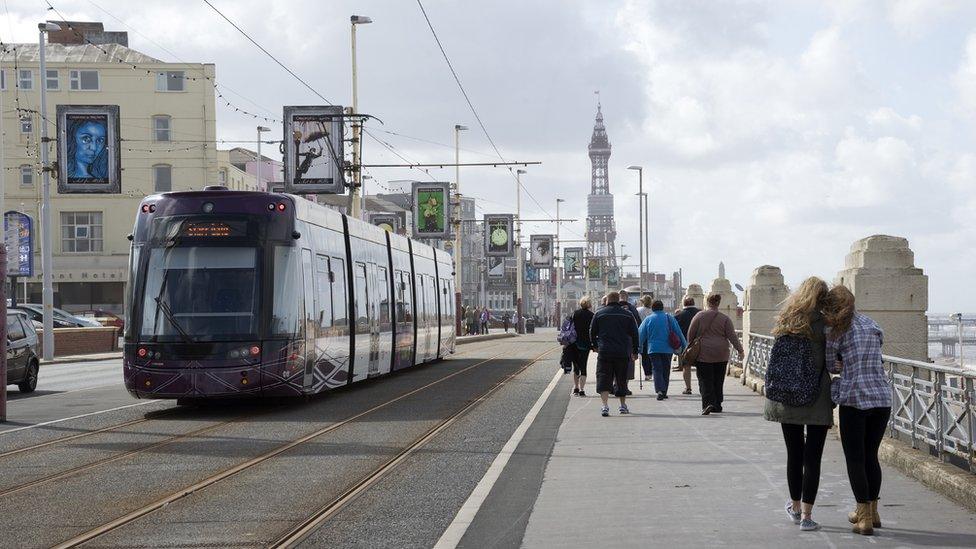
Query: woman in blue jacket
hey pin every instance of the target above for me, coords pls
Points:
(654, 334)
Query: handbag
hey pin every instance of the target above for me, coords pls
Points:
(690, 356)
(673, 340)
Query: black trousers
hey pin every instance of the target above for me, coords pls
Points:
(803, 455)
(861, 432)
(711, 382)
(611, 374)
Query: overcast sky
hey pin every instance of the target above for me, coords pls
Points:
(771, 132)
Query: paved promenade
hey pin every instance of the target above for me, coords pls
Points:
(666, 476)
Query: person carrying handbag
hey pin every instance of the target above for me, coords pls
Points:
(660, 337)
(798, 395)
(710, 334)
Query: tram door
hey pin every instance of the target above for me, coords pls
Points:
(309, 323)
(374, 323)
(364, 361)
(384, 319)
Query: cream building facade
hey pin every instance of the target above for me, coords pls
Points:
(168, 132)
(232, 177)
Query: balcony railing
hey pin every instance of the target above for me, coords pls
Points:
(931, 404)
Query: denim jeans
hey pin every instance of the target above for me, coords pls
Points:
(661, 363)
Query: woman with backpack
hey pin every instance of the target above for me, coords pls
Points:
(864, 396)
(659, 338)
(581, 347)
(801, 343)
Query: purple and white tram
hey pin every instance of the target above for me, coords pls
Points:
(260, 294)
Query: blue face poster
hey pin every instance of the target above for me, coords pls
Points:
(88, 149)
(531, 274)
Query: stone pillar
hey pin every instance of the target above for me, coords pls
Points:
(730, 302)
(695, 292)
(880, 271)
(764, 295)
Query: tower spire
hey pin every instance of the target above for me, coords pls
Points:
(600, 227)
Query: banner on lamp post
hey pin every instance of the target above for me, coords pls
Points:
(541, 250)
(498, 235)
(88, 153)
(313, 150)
(573, 262)
(432, 210)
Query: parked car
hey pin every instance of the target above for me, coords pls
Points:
(23, 360)
(105, 318)
(62, 318)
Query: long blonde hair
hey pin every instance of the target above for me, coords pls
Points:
(794, 317)
(839, 310)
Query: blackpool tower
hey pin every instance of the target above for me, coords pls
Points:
(600, 228)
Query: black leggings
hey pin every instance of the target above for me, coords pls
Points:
(803, 456)
(861, 432)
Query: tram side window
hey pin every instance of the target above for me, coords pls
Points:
(324, 286)
(362, 301)
(446, 310)
(340, 308)
(407, 297)
(287, 305)
(384, 292)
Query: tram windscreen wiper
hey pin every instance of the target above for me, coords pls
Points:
(164, 307)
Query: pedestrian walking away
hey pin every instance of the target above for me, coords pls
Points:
(506, 321)
(804, 427)
(862, 392)
(643, 312)
(485, 317)
(613, 333)
(660, 337)
(582, 318)
(684, 317)
(715, 331)
(624, 300)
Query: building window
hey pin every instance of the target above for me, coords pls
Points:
(84, 80)
(163, 178)
(169, 81)
(26, 175)
(161, 130)
(81, 232)
(52, 82)
(222, 176)
(25, 79)
(26, 124)
(3, 79)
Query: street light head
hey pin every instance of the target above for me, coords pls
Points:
(520, 171)
(263, 129)
(460, 128)
(360, 20)
(48, 26)
(639, 168)
(560, 200)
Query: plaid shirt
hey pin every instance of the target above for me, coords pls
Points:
(863, 383)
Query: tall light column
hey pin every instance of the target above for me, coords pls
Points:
(47, 257)
(558, 260)
(519, 256)
(357, 125)
(640, 226)
(3, 266)
(458, 128)
(257, 168)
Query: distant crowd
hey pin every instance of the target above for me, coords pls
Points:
(825, 355)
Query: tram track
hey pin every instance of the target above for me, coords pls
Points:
(265, 457)
(304, 529)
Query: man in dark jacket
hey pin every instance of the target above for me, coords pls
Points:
(684, 321)
(624, 299)
(613, 333)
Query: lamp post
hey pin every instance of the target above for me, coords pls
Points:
(257, 172)
(559, 269)
(458, 128)
(640, 226)
(519, 256)
(47, 258)
(357, 145)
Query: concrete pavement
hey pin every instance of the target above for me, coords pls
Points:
(667, 476)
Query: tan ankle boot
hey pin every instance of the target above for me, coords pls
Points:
(875, 517)
(863, 525)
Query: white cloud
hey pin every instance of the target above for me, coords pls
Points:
(965, 77)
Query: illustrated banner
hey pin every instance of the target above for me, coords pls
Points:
(313, 150)
(432, 210)
(531, 274)
(498, 235)
(613, 277)
(496, 267)
(18, 234)
(594, 270)
(541, 250)
(89, 158)
(388, 221)
(573, 262)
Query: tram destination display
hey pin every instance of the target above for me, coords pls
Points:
(432, 210)
(498, 235)
(89, 158)
(313, 150)
(541, 250)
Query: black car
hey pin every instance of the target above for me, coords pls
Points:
(22, 358)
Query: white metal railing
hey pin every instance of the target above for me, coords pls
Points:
(931, 404)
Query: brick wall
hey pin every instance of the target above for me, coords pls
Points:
(82, 341)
